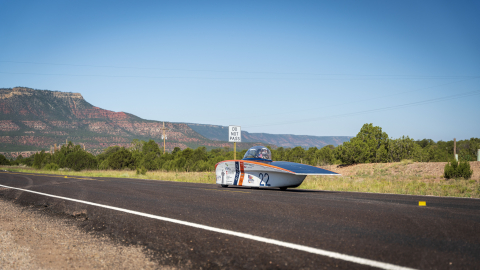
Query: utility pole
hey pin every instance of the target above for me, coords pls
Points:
(164, 136)
(455, 149)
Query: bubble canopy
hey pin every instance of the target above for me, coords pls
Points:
(259, 153)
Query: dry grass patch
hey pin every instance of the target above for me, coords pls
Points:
(192, 177)
(406, 177)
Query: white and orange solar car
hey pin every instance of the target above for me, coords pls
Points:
(257, 169)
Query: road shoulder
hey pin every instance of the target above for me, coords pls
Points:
(32, 240)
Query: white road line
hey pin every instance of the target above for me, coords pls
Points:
(318, 251)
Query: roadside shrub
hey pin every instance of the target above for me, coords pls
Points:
(464, 170)
(121, 159)
(364, 147)
(141, 170)
(4, 160)
(103, 165)
(81, 160)
(51, 167)
(455, 170)
(449, 170)
(325, 155)
(40, 159)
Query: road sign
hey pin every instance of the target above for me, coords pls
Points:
(234, 134)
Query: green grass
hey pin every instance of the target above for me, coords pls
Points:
(394, 184)
(378, 181)
(192, 177)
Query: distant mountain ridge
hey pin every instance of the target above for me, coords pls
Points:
(219, 133)
(31, 120)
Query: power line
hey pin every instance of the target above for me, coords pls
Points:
(365, 77)
(356, 101)
(423, 102)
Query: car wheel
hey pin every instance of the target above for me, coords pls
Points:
(224, 185)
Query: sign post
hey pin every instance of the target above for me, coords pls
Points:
(234, 135)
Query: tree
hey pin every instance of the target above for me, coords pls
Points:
(279, 154)
(401, 148)
(467, 149)
(145, 154)
(325, 155)
(176, 150)
(296, 154)
(107, 152)
(381, 156)
(425, 142)
(310, 156)
(150, 147)
(363, 147)
(121, 159)
(40, 159)
(4, 160)
(80, 160)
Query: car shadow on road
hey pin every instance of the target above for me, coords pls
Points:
(291, 190)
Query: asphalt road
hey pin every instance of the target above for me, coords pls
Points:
(385, 228)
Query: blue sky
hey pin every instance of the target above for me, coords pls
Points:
(285, 67)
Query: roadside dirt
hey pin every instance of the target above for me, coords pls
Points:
(31, 240)
(431, 169)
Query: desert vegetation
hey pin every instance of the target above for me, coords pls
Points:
(405, 177)
(391, 159)
(370, 145)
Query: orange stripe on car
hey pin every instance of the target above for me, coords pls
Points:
(242, 173)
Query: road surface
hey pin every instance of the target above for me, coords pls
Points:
(194, 225)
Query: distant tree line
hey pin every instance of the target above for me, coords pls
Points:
(371, 145)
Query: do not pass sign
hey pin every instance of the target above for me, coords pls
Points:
(234, 134)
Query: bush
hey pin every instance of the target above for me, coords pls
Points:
(142, 170)
(464, 170)
(51, 167)
(103, 165)
(4, 160)
(364, 147)
(81, 160)
(455, 170)
(40, 159)
(449, 170)
(121, 159)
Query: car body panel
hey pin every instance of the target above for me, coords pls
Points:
(264, 174)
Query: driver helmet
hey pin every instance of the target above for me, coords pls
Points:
(258, 153)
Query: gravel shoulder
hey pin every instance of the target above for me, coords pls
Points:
(32, 240)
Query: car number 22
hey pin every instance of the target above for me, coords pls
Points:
(264, 179)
